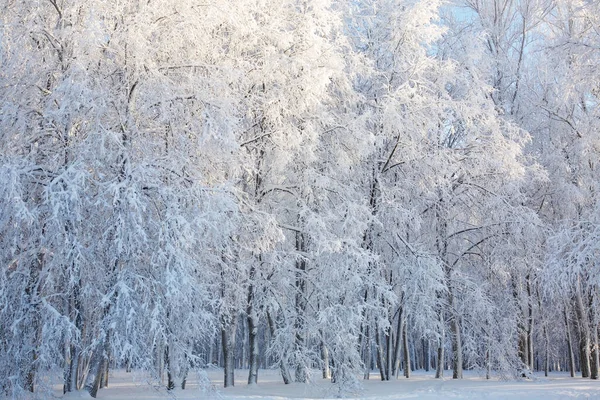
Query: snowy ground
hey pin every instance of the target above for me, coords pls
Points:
(420, 386)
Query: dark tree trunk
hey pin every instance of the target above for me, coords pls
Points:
(439, 368)
(389, 357)
(367, 351)
(228, 333)
(169, 364)
(252, 332)
(595, 359)
(301, 373)
(457, 359)
(397, 348)
(405, 350)
(98, 365)
(569, 344)
(584, 333)
(380, 353)
(285, 373)
(426, 355)
(186, 369)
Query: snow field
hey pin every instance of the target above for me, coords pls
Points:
(557, 386)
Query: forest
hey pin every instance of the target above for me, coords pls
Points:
(299, 185)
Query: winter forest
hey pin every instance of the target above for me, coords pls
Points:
(315, 185)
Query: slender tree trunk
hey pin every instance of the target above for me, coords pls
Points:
(380, 353)
(457, 358)
(83, 370)
(252, 332)
(186, 369)
(285, 373)
(569, 344)
(389, 357)
(595, 359)
(529, 336)
(397, 348)
(301, 373)
(406, 349)
(105, 375)
(98, 364)
(456, 348)
(546, 352)
(228, 333)
(169, 364)
(584, 333)
(426, 355)
(67, 372)
(439, 368)
(325, 359)
(160, 361)
(367, 351)
(72, 353)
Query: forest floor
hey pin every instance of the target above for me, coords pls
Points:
(208, 386)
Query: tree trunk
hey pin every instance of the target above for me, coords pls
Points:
(252, 332)
(169, 364)
(380, 353)
(301, 373)
(389, 358)
(186, 369)
(426, 355)
(325, 359)
(98, 365)
(367, 351)
(72, 353)
(397, 349)
(529, 337)
(68, 368)
(546, 352)
(406, 349)
(228, 332)
(439, 368)
(584, 332)
(457, 358)
(569, 344)
(105, 374)
(253, 342)
(595, 359)
(285, 373)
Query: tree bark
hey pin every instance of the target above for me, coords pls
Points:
(301, 373)
(584, 332)
(397, 348)
(569, 344)
(595, 359)
(252, 332)
(169, 364)
(285, 373)
(457, 372)
(406, 349)
(380, 353)
(98, 365)
(439, 368)
(228, 332)
(529, 337)
(367, 351)
(325, 359)
(389, 351)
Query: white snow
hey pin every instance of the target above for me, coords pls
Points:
(557, 386)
